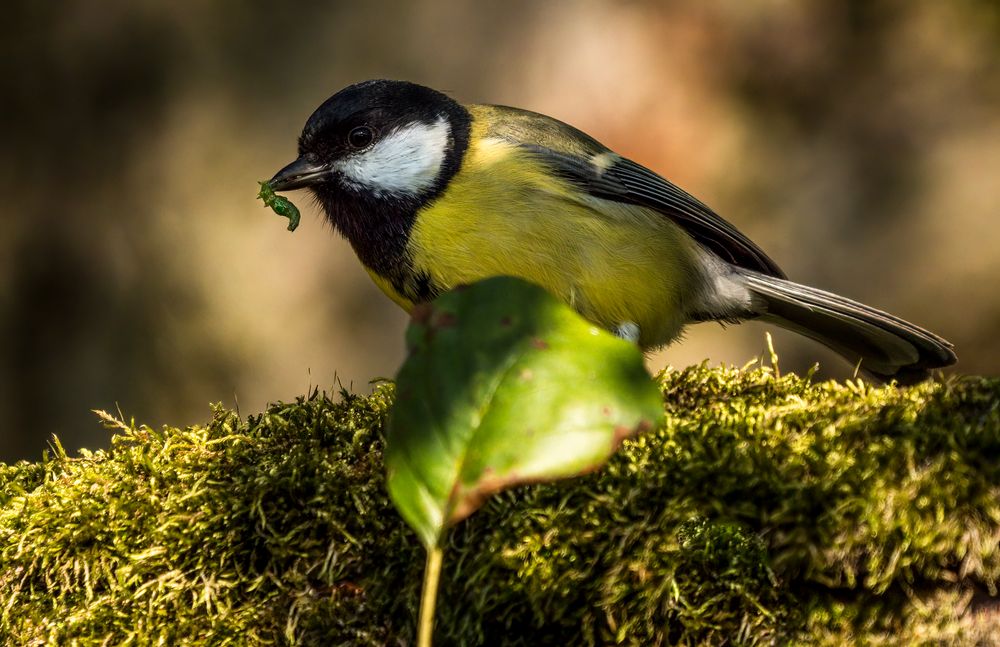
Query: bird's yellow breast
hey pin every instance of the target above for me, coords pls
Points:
(504, 213)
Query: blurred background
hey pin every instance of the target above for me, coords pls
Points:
(857, 141)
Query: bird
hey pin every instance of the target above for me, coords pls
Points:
(432, 194)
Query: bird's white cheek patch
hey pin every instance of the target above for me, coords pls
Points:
(405, 161)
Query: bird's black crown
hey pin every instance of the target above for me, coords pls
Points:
(384, 106)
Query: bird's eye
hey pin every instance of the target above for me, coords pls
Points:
(360, 137)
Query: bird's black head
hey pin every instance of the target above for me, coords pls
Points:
(373, 154)
(379, 139)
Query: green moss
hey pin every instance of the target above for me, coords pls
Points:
(767, 510)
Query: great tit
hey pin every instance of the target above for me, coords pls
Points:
(432, 194)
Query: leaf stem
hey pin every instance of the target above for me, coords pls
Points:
(432, 575)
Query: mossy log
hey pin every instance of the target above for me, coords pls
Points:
(767, 510)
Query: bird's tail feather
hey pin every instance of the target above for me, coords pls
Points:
(887, 347)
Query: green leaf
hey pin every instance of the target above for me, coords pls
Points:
(505, 384)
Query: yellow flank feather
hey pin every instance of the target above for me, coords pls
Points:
(385, 285)
(503, 213)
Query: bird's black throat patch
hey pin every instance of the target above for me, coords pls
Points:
(378, 229)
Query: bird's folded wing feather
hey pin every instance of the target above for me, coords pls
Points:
(612, 177)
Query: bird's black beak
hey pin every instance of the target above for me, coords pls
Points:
(300, 173)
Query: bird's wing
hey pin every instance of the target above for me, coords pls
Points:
(593, 168)
(613, 177)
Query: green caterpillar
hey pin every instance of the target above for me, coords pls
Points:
(279, 204)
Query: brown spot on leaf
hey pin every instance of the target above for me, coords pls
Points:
(527, 375)
(465, 504)
(540, 344)
(421, 313)
(445, 319)
(506, 321)
(621, 433)
(468, 501)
